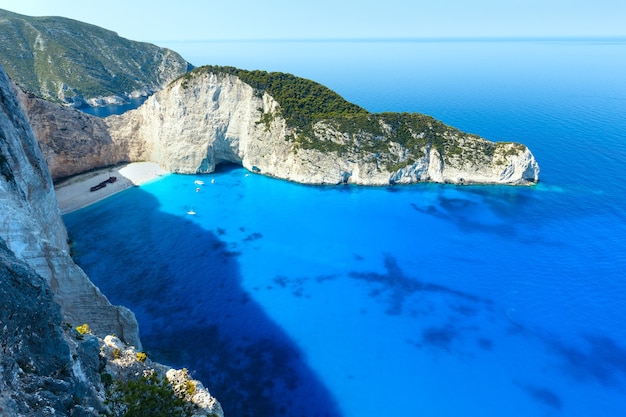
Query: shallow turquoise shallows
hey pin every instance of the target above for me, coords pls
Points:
(427, 300)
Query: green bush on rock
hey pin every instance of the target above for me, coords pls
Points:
(150, 395)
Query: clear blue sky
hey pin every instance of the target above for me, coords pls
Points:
(158, 20)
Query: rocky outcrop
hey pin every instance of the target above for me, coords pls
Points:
(43, 370)
(49, 368)
(31, 226)
(125, 363)
(207, 118)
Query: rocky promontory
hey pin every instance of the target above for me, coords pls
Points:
(278, 125)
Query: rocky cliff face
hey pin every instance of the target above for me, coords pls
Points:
(42, 369)
(31, 225)
(209, 117)
(72, 141)
(47, 367)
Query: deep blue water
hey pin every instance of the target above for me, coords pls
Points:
(427, 300)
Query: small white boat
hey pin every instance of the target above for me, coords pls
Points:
(198, 182)
(191, 212)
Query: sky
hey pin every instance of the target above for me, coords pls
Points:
(186, 20)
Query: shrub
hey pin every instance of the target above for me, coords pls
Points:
(83, 329)
(147, 396)
(190, 387)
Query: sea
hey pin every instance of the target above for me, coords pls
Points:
(426, 300)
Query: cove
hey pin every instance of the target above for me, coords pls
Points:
(297, 300)
(427, 300)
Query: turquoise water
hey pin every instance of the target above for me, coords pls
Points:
(425, 300)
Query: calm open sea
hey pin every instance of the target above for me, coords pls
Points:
(426, 300)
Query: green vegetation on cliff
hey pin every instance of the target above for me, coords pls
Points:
(302, 101)
(150, 395)
(63, 60)
(312, 109)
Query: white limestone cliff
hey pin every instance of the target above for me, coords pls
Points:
(197, 123)
(49, 367)
(31, 226)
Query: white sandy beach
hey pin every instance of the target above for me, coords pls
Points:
(74, 193)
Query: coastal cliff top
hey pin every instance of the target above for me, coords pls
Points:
(311, 110)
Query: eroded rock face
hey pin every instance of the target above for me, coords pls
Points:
(190, 128)
(41, 365)
(31, 226)
(48, 368)
(91, 145)
(198, 122)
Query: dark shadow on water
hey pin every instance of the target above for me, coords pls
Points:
(600, 358)
(542, 395)
(398, 286)
(485, 209)
(594, 358)
(184, 285)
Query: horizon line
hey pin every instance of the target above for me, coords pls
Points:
(539, 38)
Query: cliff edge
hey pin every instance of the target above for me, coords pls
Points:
(278, 125)
(51, 363)
(31, 226)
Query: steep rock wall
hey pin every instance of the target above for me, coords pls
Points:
(31, 225)
(72, 141)
(48, 368)
(202, 120)
(43, 370)
(189, 128)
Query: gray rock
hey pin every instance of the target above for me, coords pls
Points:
(46, 366)
(32, 227)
